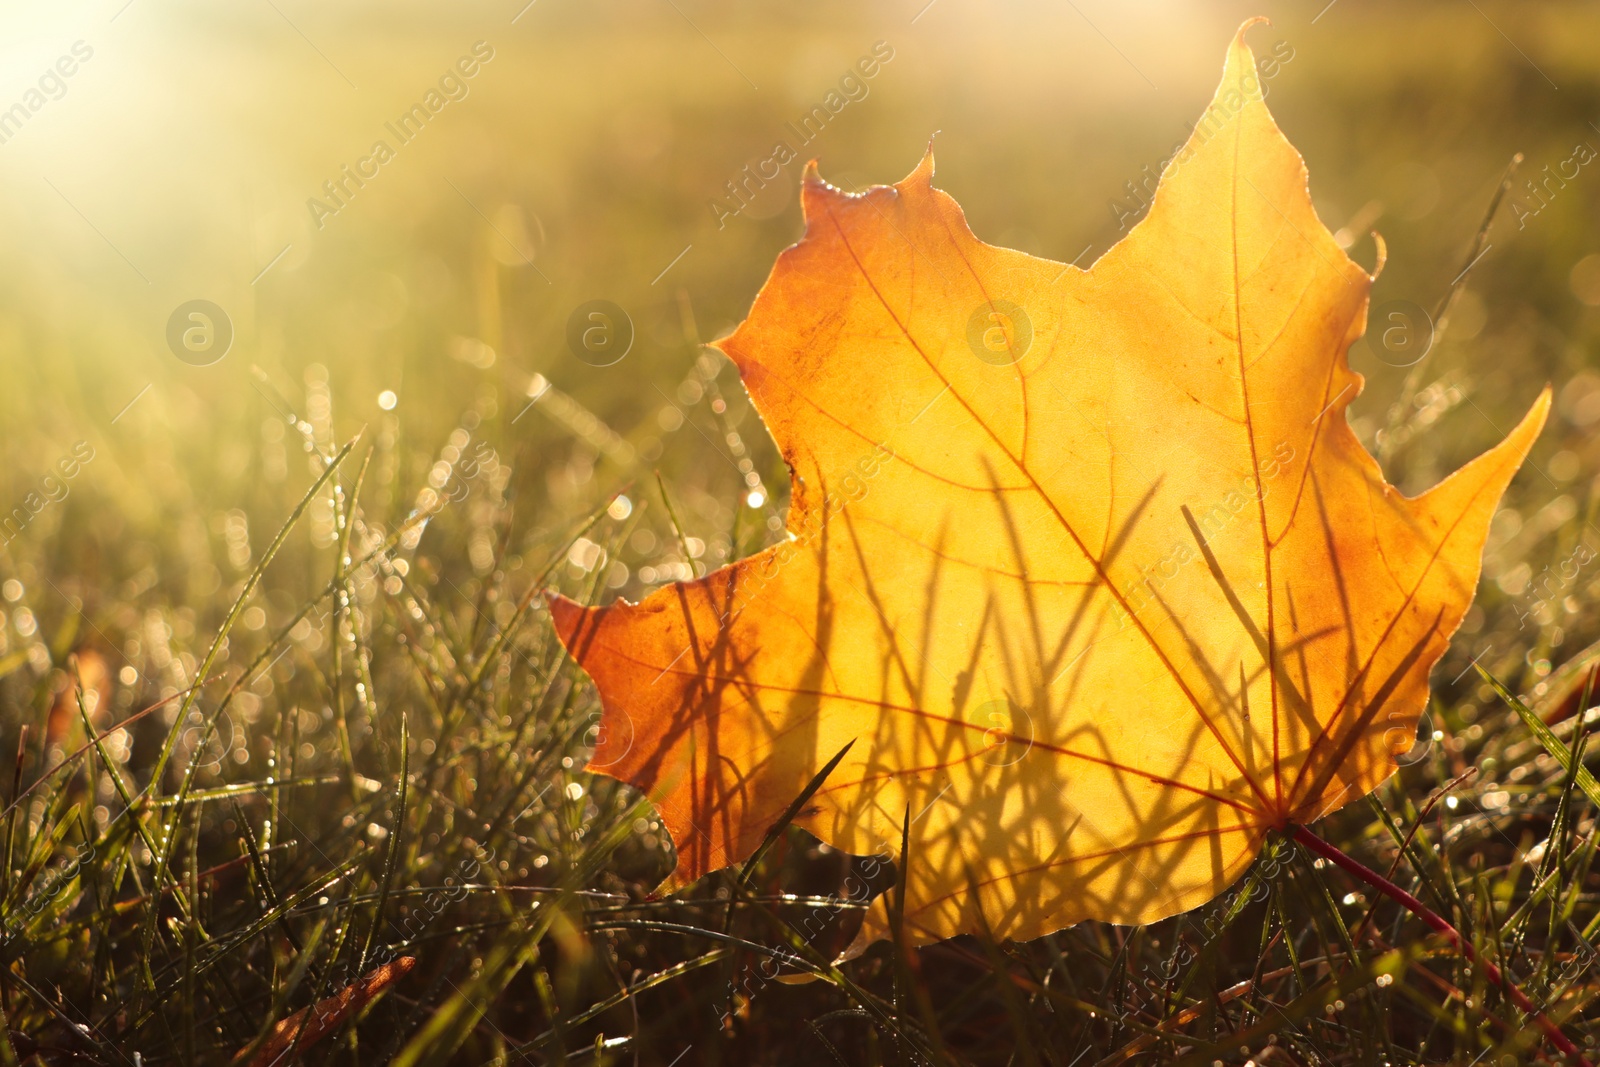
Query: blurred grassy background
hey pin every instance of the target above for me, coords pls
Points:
(582, 164)
(178, 164)
(179, 161)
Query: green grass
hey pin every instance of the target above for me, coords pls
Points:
(430, 807)
(300, 756)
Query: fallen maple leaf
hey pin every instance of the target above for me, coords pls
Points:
(1088, 564)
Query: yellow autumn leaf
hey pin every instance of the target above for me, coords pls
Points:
(1088, 564)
